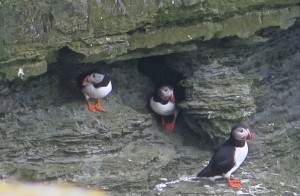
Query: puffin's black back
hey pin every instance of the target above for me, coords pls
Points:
(103, 83)
(221, 162)
(223, 158)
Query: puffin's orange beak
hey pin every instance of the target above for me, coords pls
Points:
(251, 136)
(86, 81)
(172, 98)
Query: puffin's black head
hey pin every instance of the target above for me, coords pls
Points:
(242, 132)
(93, 77)
(96, 78)
(165, 92)
(90, 77)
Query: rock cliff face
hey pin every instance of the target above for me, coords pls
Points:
(228, 60)
(52, 137)
(36, 33)
(218, 96)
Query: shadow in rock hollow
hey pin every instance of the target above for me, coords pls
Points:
(160, 72)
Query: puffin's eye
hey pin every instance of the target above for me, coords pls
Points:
(241, 130)
(93, 75)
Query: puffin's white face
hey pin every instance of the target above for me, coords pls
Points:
(165, 92)
(96, 78)
(242, 133)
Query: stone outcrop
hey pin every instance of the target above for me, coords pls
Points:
(32, 33)
(216, 98)
(53, 138)
(217, 93)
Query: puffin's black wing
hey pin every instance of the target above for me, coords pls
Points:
(221, 162)
(207, 171)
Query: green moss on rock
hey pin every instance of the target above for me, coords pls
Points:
(108, 30)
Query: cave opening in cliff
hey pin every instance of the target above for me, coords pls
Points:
(161, 73)
(67, 56)
(164, 70)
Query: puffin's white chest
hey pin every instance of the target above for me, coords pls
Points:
(97, 93)
(241, 154)
(239, 157)
(161, 109)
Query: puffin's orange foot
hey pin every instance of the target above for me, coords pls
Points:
(99, 107)
(92, 108)
(169, 126)
(235, 183)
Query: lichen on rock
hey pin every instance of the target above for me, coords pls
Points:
(53, 138)
(217, 97)
(111, 30)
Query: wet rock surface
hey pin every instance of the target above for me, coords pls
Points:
(52, 137)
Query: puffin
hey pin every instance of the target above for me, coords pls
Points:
(163, 103)
(95, 85)
(228, 157)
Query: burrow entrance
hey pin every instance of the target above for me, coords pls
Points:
(160, 73)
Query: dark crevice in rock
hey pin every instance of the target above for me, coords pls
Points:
(160, 73)
(269, 31)
(68, 56)
(162, 70)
